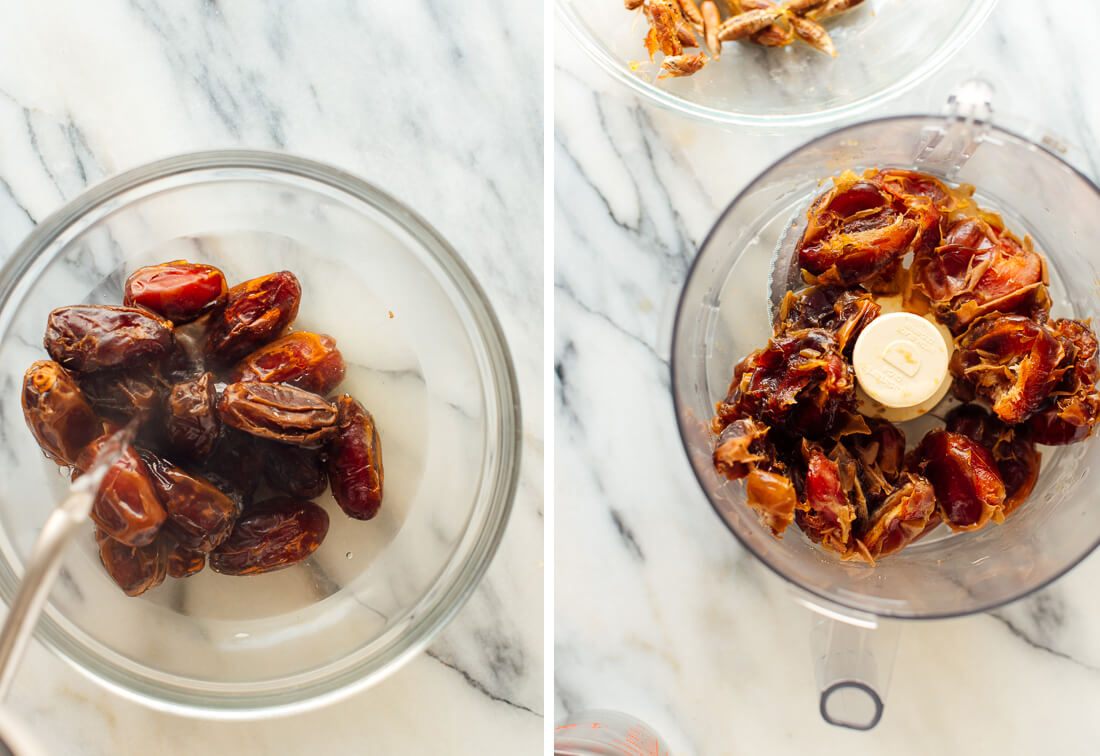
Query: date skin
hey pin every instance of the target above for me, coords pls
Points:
(1012, 448)
(903, 517)
(193, 503)
(275, 534)
(126, 394)
(278, 413)
(235, 464)
(96, 337)
(255, 312)
(843, 312)
(181, 561)
(1073, 408)
(179, 291)
(57, 413)
(969, 489)
(355, 461)
(305, 360)
(296, 470)
(135, 569)
(126, 506)
(191, 418)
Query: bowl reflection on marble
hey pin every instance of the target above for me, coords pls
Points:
(424, 353)
(884, 47)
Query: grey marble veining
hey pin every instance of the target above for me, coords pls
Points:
(659, 611)
(438, 103)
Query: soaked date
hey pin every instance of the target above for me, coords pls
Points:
(181, 561)
(94, 337)
(136, 569)
(179, 291)
(308, 361)
(191, 418)
(125, 394)
(296, 470)
(255, 312)
(57, 413)
(969, 488)
(278, 413)
(906, 514)
(275, 534)
(193, 503)
(126, 506)
(355, 461)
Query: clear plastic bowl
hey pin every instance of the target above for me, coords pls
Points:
(884, 46)
(425, 354)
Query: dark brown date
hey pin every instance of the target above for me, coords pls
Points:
(191, 419)
(741, 447)
(1073, 408)
(827, 516)
(126, 506)
(969, 489)
(843, 312)
(278, 413)
(125, 394)
(58, 415)
(355, 461)
(905, 515)
(296, 470)
(94, 337)
(308, 361)
(181, 561)
(179, 291)
(136, 569)
(235, 465)
(193, 503)
(256, 312)
(1012, 447)
(275, 534)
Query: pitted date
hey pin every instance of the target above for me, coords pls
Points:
(305, 360)
(255, 312)
(191, 419)
(1012, 447)
(355, 461)
(969, 488)
(278, 413)
(906, 514)
(296, 470)
(136, 569)
(95, 337)
(57, 413)
(179, 291)
(126, 506)
(192, 503)
(274, 534)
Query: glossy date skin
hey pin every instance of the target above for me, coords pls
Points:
(134, 569)
(305, 360)
(125, 394)
(275, 534)
(355, 461)
(827, 515)
(842, 312)
(1071, 411)
(96, 337)
(906, 514)
(126, 507)
(193, 503)
(1012, 448)
(296, 470)
(178, 291)
(255, 312)
(278, 413)
(191, 417)
(180, 560)
(969, 489)
(57, 413)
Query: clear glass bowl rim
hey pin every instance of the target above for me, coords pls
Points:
(474, 551)
(678, 408)
(618, 71)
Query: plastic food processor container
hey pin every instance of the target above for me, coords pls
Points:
(724, 313)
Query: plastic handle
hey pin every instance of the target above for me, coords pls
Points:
(853, 664)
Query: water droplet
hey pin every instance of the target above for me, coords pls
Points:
(240, 636)
(348, 555)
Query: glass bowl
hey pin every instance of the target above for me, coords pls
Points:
(425, 354)
(884, 47)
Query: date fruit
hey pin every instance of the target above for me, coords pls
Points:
(275, 534)
(136, 569)
(255, 312)
(907, 514)
(296, 470)
(1012, 448)
(125, 394)
(126, 506)
(94, 337)
(305, 360)
(843, 312)
(355, 461)
(191, 418)
(181, 561)
(179, 291)
(58, 415)
(969, 489)
(278, 413)
(192, 503)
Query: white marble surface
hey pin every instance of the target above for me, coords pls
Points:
(659, 612)
(436, 101)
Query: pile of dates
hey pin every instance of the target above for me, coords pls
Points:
(234, 427)
(790, 425)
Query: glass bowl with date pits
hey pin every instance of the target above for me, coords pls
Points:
(424, 354)
(724, 313)
(883, 48)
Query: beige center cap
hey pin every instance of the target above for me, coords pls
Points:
(900, 359)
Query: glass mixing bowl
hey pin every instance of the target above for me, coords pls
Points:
(723, 314)
(884, 47)
(425, 354)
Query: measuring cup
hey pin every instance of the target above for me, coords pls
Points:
(723, 314)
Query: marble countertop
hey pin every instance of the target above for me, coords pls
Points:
(444, 112)
(659, 612)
